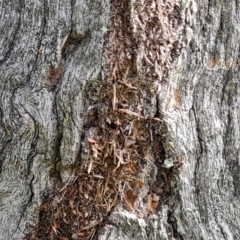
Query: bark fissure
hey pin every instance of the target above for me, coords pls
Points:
(199, 155)
(173, 222)
(23, 212)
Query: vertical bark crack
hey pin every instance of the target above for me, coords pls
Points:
(200, 140)
(23, 212)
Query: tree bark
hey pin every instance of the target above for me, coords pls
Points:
(119, 119)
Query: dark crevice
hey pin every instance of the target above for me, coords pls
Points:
(157, 114)
(55, 174)
(200, 140)
(173, 222)
(73, 2)
(223, 234)
(25, 207)
(221, 229)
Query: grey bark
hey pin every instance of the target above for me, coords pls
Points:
(36, 113)
(51, 50)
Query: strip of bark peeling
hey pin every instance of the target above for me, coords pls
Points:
(127, 155)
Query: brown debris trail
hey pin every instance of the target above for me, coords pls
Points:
(125, 148)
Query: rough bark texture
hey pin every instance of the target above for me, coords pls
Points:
(49, 49)
(206, 124)
(138, 66)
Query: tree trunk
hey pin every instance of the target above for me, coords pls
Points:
(119, 119)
